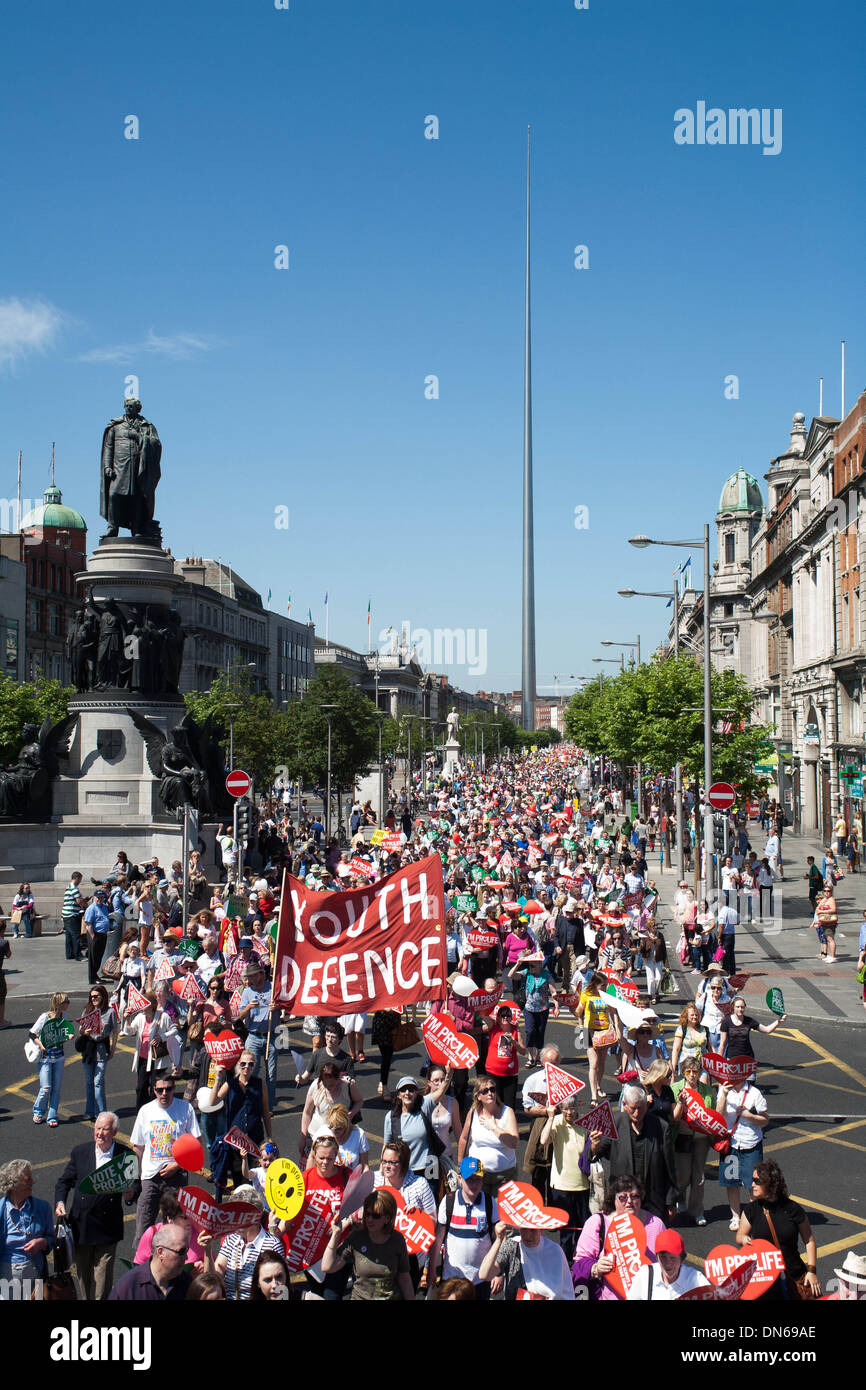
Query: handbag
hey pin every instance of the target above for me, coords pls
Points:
(112, 969)
(404, 1035)
(861, 975)
(798, 1288)
(683, 949)
(15, 916)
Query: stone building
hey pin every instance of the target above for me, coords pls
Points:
(55, 550)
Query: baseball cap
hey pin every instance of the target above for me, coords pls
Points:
(471, 1168)
(670, 1242)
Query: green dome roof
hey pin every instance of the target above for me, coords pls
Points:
(53, 513)
(741, 494)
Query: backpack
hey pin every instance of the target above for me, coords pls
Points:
(449, 1216)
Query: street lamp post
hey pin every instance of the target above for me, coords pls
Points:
(636, 646)
(329, 716)
(678, 770)
(641, 542)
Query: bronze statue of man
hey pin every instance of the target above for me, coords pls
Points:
(131, 452)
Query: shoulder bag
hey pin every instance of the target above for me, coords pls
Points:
(798, 1288)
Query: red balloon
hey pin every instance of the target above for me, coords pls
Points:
(178, 985)
(188, 1153)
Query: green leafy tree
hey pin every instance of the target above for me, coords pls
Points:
(28, 702)
(354, 730)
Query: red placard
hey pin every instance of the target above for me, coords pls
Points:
(730, 1071)
(136, 1002)
(732, 1287)
(361, 868)
(485, 1001)
(699, 1118)
(391, 842)
(192, 992)
(223, 1048)
(90, 1021)
(446, 1045)
(482, 940)
(165, 971)
(625, 989)
(312, 1227)
(235, 1003)
(723, 1260)
(238, 783)
(370, 948)
(560, 1084)
(216, 1219)
(243, 1142)
(626, 1241)
(416, 1228)
(521, 1204)
(600, 1117)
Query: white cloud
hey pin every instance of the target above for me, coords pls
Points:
(27, 326)
(176, 346)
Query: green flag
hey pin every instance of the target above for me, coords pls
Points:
(115, 1176)
(774, 1000)
(465, 902)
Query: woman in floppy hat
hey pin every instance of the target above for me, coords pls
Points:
(713, 992)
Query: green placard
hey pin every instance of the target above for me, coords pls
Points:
(115, 1176)
(465, 902)
(569, 844)
(56, 1032)
(478, 873)
(189, 948)
(774, 1000)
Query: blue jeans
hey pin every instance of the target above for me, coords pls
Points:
(94, 1088)
(25, 926)
(50, 1079)
(256, 1044)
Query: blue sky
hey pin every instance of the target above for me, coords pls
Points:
(306, 387)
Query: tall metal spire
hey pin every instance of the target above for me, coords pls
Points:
(528, 662)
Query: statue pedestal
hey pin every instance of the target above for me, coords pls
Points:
(451, 765)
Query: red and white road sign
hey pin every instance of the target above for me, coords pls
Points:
(721, 796)
(238, 782)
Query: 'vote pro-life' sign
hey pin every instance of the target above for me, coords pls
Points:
(371, 948)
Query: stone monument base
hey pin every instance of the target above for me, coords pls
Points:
(40, 853)
(451, 766)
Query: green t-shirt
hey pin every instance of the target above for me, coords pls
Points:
(376, 1267)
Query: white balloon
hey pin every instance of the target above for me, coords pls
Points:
(464, 985)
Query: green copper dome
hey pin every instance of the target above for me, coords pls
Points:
(741, 494)
(53, 513)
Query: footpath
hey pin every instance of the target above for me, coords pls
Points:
(784, 950)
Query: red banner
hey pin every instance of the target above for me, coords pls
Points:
(446, 1045)
(700, 1118)
(371, 948)
(216, 1219)
(730, 1071)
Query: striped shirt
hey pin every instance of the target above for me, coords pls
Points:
(71, 906)
(240, 1257)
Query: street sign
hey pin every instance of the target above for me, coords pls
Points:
(721, 796)
(238, 782)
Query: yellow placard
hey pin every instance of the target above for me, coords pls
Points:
(284, 1188)
(377, 837)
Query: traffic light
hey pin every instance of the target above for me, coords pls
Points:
(720, 833)
(243, 819)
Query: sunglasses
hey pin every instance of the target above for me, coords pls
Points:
(162, 1090)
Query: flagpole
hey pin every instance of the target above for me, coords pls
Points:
(528, 663)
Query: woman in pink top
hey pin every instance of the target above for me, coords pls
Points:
(625, 1193)
(171, 1213)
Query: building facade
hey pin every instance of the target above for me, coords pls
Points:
(13, 605)
(54, 552)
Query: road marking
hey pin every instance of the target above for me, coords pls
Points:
(837, 1245)
(830, 1211)
(815, 1138)
(830, 1139)
(828, 1057)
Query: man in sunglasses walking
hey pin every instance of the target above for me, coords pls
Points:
(157, 1125)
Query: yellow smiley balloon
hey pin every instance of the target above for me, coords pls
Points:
(284, 1188)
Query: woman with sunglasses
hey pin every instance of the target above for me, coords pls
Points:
(410, 1120)
(375, 1253)
(712, 993)
(327, 1091)
(245, 1107)
(601, 1024)
(502, 1062)
(625, 1193)
(97, 1047)
(490, 1135)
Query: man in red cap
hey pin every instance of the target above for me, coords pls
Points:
(670, 1276)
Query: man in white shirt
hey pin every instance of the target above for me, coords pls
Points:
(465, 1224)
(681, 897)
(534, 1097)
(157, 1125)
(670, 1276)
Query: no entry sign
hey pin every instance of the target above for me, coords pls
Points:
(721, 796)
(238, 782)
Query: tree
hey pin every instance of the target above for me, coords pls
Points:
(354, 730)
(28, 702)
(582, 718)
(261, 732)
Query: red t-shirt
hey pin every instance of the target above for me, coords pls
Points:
(502, 1057)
